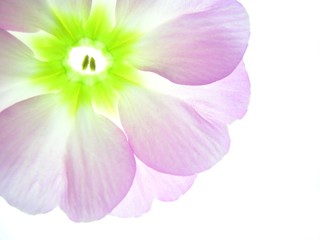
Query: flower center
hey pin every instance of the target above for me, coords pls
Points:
(87, 60)
(83, 58)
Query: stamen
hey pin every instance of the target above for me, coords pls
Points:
(85, 62)
(92, 64)
(88, 60)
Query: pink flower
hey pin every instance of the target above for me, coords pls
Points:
(107, 105)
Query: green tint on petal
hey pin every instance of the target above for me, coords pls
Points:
(99, 26)
(67, 27)
(85, 60)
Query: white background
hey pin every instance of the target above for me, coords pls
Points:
(268, 186)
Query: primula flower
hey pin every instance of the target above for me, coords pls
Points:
(107, 105)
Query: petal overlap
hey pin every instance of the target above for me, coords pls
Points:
(99, 167)
(31, 177)
(109, 105)
(224, 101)
(35, 15)
(168, 135)
(14, 56)
(148, 186)
(17, 64)
(196, 48)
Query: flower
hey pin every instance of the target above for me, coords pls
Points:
(106, 105)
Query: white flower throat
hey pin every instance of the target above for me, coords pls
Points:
(87, 60)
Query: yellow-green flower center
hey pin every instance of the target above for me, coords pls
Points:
(83, 58)
(88, 62)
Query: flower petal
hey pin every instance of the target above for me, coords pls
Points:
(99, 166)
(66, 19)
(224, 101)
(14, 55)
(20, 15)
(210, 52)
(149, 185)
(107, 6)
(146, 14)
(32, 143)
(33, 15)
(79, 7)
(17, 93)
(14, 84)
(76, 9)
(170, 136)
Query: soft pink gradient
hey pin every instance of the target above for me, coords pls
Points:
(196, 48)
(32, 141)
(19, 15)
(168, 135)
(87, 165)
(16, 65)
(229, 97)
(224, 101)
(33, 15)
(149, 185)
(146, 15)
(99, 167)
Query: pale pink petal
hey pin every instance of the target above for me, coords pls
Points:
(17, 65)
(32, 143)
(149, 185)
(33, 15)
(21, 15)
(168, 135)
(196, 48)
(17, 93)
(16, 59)
(225, 100)
(146, 14)
(99, 166)
(80, 8)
